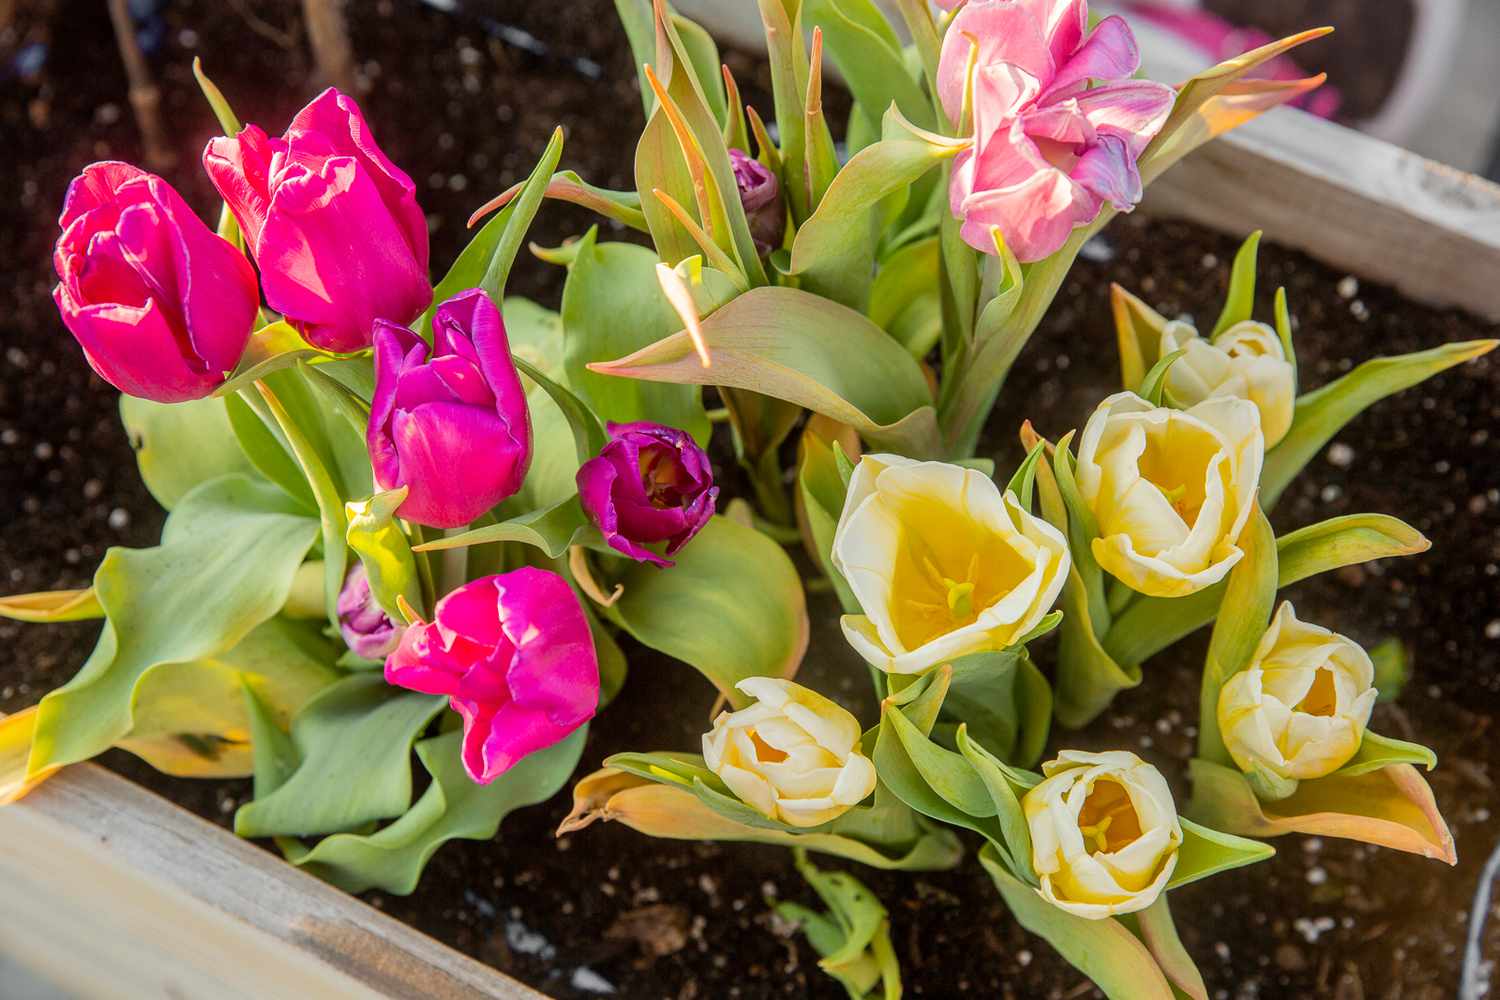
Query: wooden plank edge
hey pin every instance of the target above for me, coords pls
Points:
(111, 891)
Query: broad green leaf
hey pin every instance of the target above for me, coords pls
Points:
(551, 529)
(588, 433)
(905, 299)
(228, 554)
(1006, 786)
(613, 667)
(50, 607)
(353, 745)
(1376, 752)
(732, 607)
(454, 807)
(1239, 303)
(179, 445)
(536, 337)
(905, 779)
(1151, 624)
(1004, 700)
(823, 492)
(275, 756)
(1155, 928)
(263, 444)
(1322, 413)
(1249, 598)
(703, 59)
(385, 551)
(1206, 852)
(946, 773)
(792, 345)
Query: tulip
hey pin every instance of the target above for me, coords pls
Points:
(1300, 709)
(367, 630)
(1049, 151)
(333, 223)
(452, 426)
(648, 484)
(1171, 489)
(941, 563)
(161, 306)
(760, 195)
(1104, 833)
(1246, 361)
(514, 655)
(793, 756)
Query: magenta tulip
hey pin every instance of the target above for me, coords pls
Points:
(451, 425)
(367, 630)
(1050, 150)
(332, 222)
(516, 659)
(161, 306)
(648, 484)
(760, 196)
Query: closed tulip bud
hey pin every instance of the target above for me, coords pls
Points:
(1300, 709)
(161, 306)
(451, 425)
(760, 195)
(792, 756)
(514, 655)
(332, 222)
(367, 630)
(1246, 361)
(649, 484)
(941, 563)
(1171, 489)
(1104, 833)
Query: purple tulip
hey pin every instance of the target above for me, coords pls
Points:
(648, 484)
(161, 306)
(366, 628)
(332, 222)
(452, 427)
(760, 194)
(516, 659)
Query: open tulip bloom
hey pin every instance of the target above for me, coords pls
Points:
(420, 513)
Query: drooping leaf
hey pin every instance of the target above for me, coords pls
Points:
(179, 445)
(853, 938)
(1005, 701)
(551, 529)
(1376, 752)
(50, 607)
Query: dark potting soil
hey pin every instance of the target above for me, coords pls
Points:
(466, 112)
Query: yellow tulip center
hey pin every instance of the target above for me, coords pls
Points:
(1108, 820)
(1323, 697)
(764, 752)
(1175, 461)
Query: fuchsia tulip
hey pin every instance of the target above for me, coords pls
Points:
(452, 427)
(161, 306)
(648, 484)
(760, 195)
(367, 630)
(515, 657)
(333, 223)
(1049, 150)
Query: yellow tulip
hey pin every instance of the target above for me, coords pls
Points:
(1300, 709)
(1104, 833)
(793, 756)
(941, 563)
(1246, 361)
(1171, 489)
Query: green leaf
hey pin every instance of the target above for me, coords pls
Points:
(273, 348)
(732, 607)
(1206, 852)
(1249, 598)
(588, 433)
(869, 56)
(823, 494)
(1376, 752)
(50, 607)
(792, 345)
(703, 60)
(1322, 413)
(1005, 701)
(262, 443)
(1240, 302)
(228, 554)
(275, 754)
(454, 807)
(1006, 786)
(1155, 928)
(1154, 385)
(1392, 667)
(787, 55)
(353, 744)
(551, 529)
(1023, 480)
(536, 337)
(180, 445)
(905, 299)
(945, 772)
(854, 938)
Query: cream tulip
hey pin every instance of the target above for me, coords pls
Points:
(1300, 709)
(1171, 489)
(942, 563)
(1104, 833)
(1246, 361)
(793, 756)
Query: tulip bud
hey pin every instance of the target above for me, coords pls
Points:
(1104, 833)
(793, 756)
(1171, 489)
(760, 194)
(332, 222)
(1246, 361)
(516, 659)
(368, 631)
(1300, 709)
(941, 563)
(161, 306)
(452, 427)
(650, 483)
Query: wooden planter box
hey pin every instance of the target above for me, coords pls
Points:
(109, 890)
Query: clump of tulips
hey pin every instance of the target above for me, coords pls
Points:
(421, 514)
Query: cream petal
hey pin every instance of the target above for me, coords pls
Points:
(1156, 577)
(794, 780)
(864, 551)
(855, 782)
(809, 812)
(785, 735)
(751, 789)
(835, 731)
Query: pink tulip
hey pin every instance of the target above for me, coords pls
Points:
(452, 427)
(1049, 150)
(333, 223)
(367, 630)
(649, 484)
(515, 657)
(161, 306)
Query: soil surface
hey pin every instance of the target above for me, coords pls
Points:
(465, 104)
